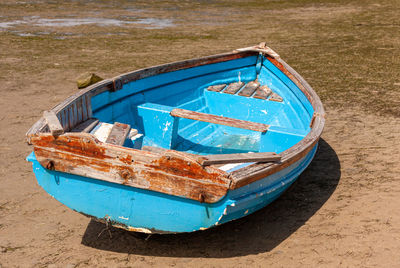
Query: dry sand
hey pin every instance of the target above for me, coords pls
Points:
(344, 211)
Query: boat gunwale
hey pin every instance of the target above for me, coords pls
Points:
(242, 176)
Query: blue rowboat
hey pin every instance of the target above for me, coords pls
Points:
(180, 147)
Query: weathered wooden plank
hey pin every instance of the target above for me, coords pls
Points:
(249, 89)
(261, 48)
(172, 172)
(263, 92)
(74, 115)
(78, 103)
(216, 88)
(233, 87)
(85, 114)
(53, 123)
(72, 120)
(275, 97)
(160, 150)
(86, 126)
(216, 159)
(118, 134)
(220, 120)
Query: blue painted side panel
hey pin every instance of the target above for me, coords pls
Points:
(138, 208)
(157, 125)
(259, 194)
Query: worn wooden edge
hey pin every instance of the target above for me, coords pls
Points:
(220, 120)
(262, 92)
(118, 134)
(53, 123)
(261, 48)
(86, 126)
(217, 159)
(216, 88)
(249, 89)
(89, 91)
(254, 172)
(170, 172)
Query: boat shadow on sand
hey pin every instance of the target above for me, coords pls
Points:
(256, 233)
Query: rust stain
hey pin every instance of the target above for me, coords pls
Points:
(175, 173)
(73, 144)
(187, 168)
(127, 159)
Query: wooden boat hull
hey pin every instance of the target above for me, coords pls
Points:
(147, 211)
(221, 137)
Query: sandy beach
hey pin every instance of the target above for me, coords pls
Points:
(344, 210)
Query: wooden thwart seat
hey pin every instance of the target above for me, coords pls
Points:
(220, 120)
(86, 126)
(217, 159)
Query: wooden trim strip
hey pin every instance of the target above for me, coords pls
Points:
(220, 120)
(217, 159)
(118, 134)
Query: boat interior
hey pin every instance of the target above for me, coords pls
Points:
(236, 106)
